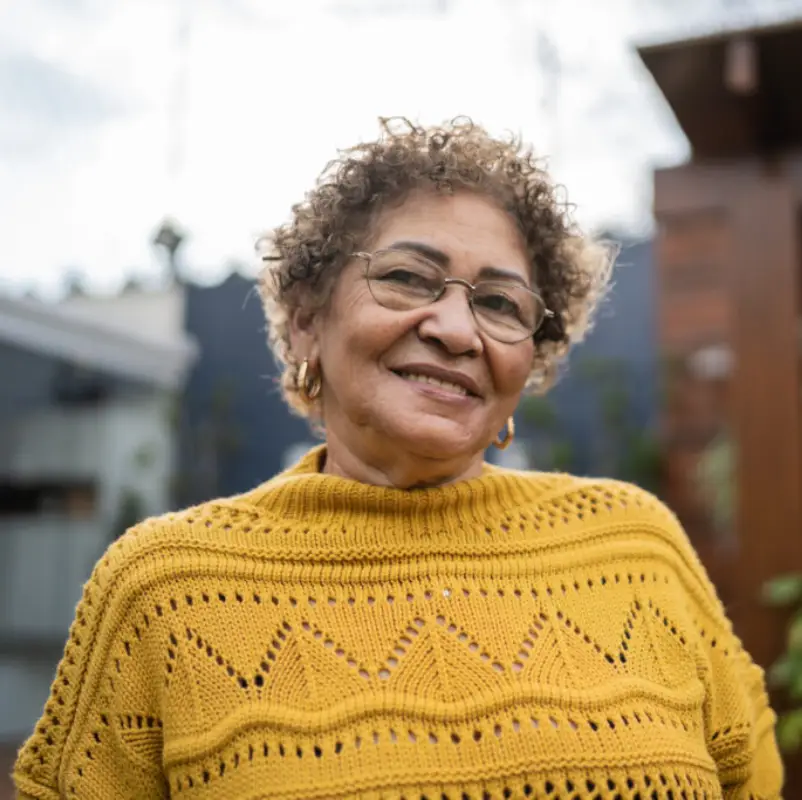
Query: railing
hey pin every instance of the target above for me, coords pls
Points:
(44, 562)
(53, 443)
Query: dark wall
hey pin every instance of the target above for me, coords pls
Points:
(26, 379)
(234, 426)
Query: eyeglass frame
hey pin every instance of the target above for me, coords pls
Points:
(447, 281)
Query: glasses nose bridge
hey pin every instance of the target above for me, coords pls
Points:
(459, 282)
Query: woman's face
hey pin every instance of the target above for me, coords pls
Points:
(379, 401)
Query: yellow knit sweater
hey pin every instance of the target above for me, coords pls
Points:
(515, 635)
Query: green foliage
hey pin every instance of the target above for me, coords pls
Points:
(784, 590)
(130, 511)
(715, 474)
(641, 460)
(144, 456)
(786, 672)
(552, 450)
(562, 456)
(626, 452)
(789, 731)
(540, 413)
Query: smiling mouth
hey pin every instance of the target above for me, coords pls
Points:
(415, 377)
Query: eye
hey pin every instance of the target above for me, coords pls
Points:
(391, 272)
(498, 303)
(404, 277)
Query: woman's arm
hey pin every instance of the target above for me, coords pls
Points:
(739, 723)
(87, 743)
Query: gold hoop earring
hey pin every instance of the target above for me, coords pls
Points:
(308, 387)
(504, 443)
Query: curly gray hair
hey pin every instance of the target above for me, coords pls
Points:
(303, 257)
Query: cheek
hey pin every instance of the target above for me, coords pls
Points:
(359, 332)
(369, 328)
(510, 368)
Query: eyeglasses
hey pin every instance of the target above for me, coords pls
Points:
(507, 311)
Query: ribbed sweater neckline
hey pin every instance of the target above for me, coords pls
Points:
(303, 494)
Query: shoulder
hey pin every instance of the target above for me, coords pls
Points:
(623, 504)
(147, 554)
(594, 498)
(651, 527)
(599, 507)
(159, 545)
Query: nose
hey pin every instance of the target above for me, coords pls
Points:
(449, 323)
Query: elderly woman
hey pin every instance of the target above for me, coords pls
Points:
(393, 617)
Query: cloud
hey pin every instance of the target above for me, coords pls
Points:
(222, 113)
(41, 104)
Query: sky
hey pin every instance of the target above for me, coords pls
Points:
(221, 113)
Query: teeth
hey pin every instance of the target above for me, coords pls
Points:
(452, 387)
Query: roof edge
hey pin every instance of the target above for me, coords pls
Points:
(718, 36)
(51, 330)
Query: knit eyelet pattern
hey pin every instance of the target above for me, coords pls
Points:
(519, 635)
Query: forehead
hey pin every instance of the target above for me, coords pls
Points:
(472, 231)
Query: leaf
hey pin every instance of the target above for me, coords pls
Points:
(539, 413)
(783, 590)
(795, 689)
(562, 455)
(795, 633)
(781, 672)
(789, 731)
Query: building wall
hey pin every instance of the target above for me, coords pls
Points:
(694, 253)
(120, 447)
(153, 314)
(25, 681)
(236, 431)
(124, 444)
(27, 382)
(44, 563)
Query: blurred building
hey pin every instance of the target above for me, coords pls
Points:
(601, 417)
(730, 307)
(87, 446)
(235, 429)
(729, 251)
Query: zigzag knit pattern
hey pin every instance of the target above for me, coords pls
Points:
(516, 635)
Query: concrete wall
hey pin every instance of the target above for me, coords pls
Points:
(44, 562)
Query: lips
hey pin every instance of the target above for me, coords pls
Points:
(451, 380)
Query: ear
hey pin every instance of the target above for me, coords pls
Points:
(303, 336)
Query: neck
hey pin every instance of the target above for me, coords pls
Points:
(388, 465)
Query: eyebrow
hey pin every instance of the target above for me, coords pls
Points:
(441, 259)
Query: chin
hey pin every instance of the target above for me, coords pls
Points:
(439, 439)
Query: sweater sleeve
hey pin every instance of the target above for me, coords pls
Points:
(739, 723)
(99, 736)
